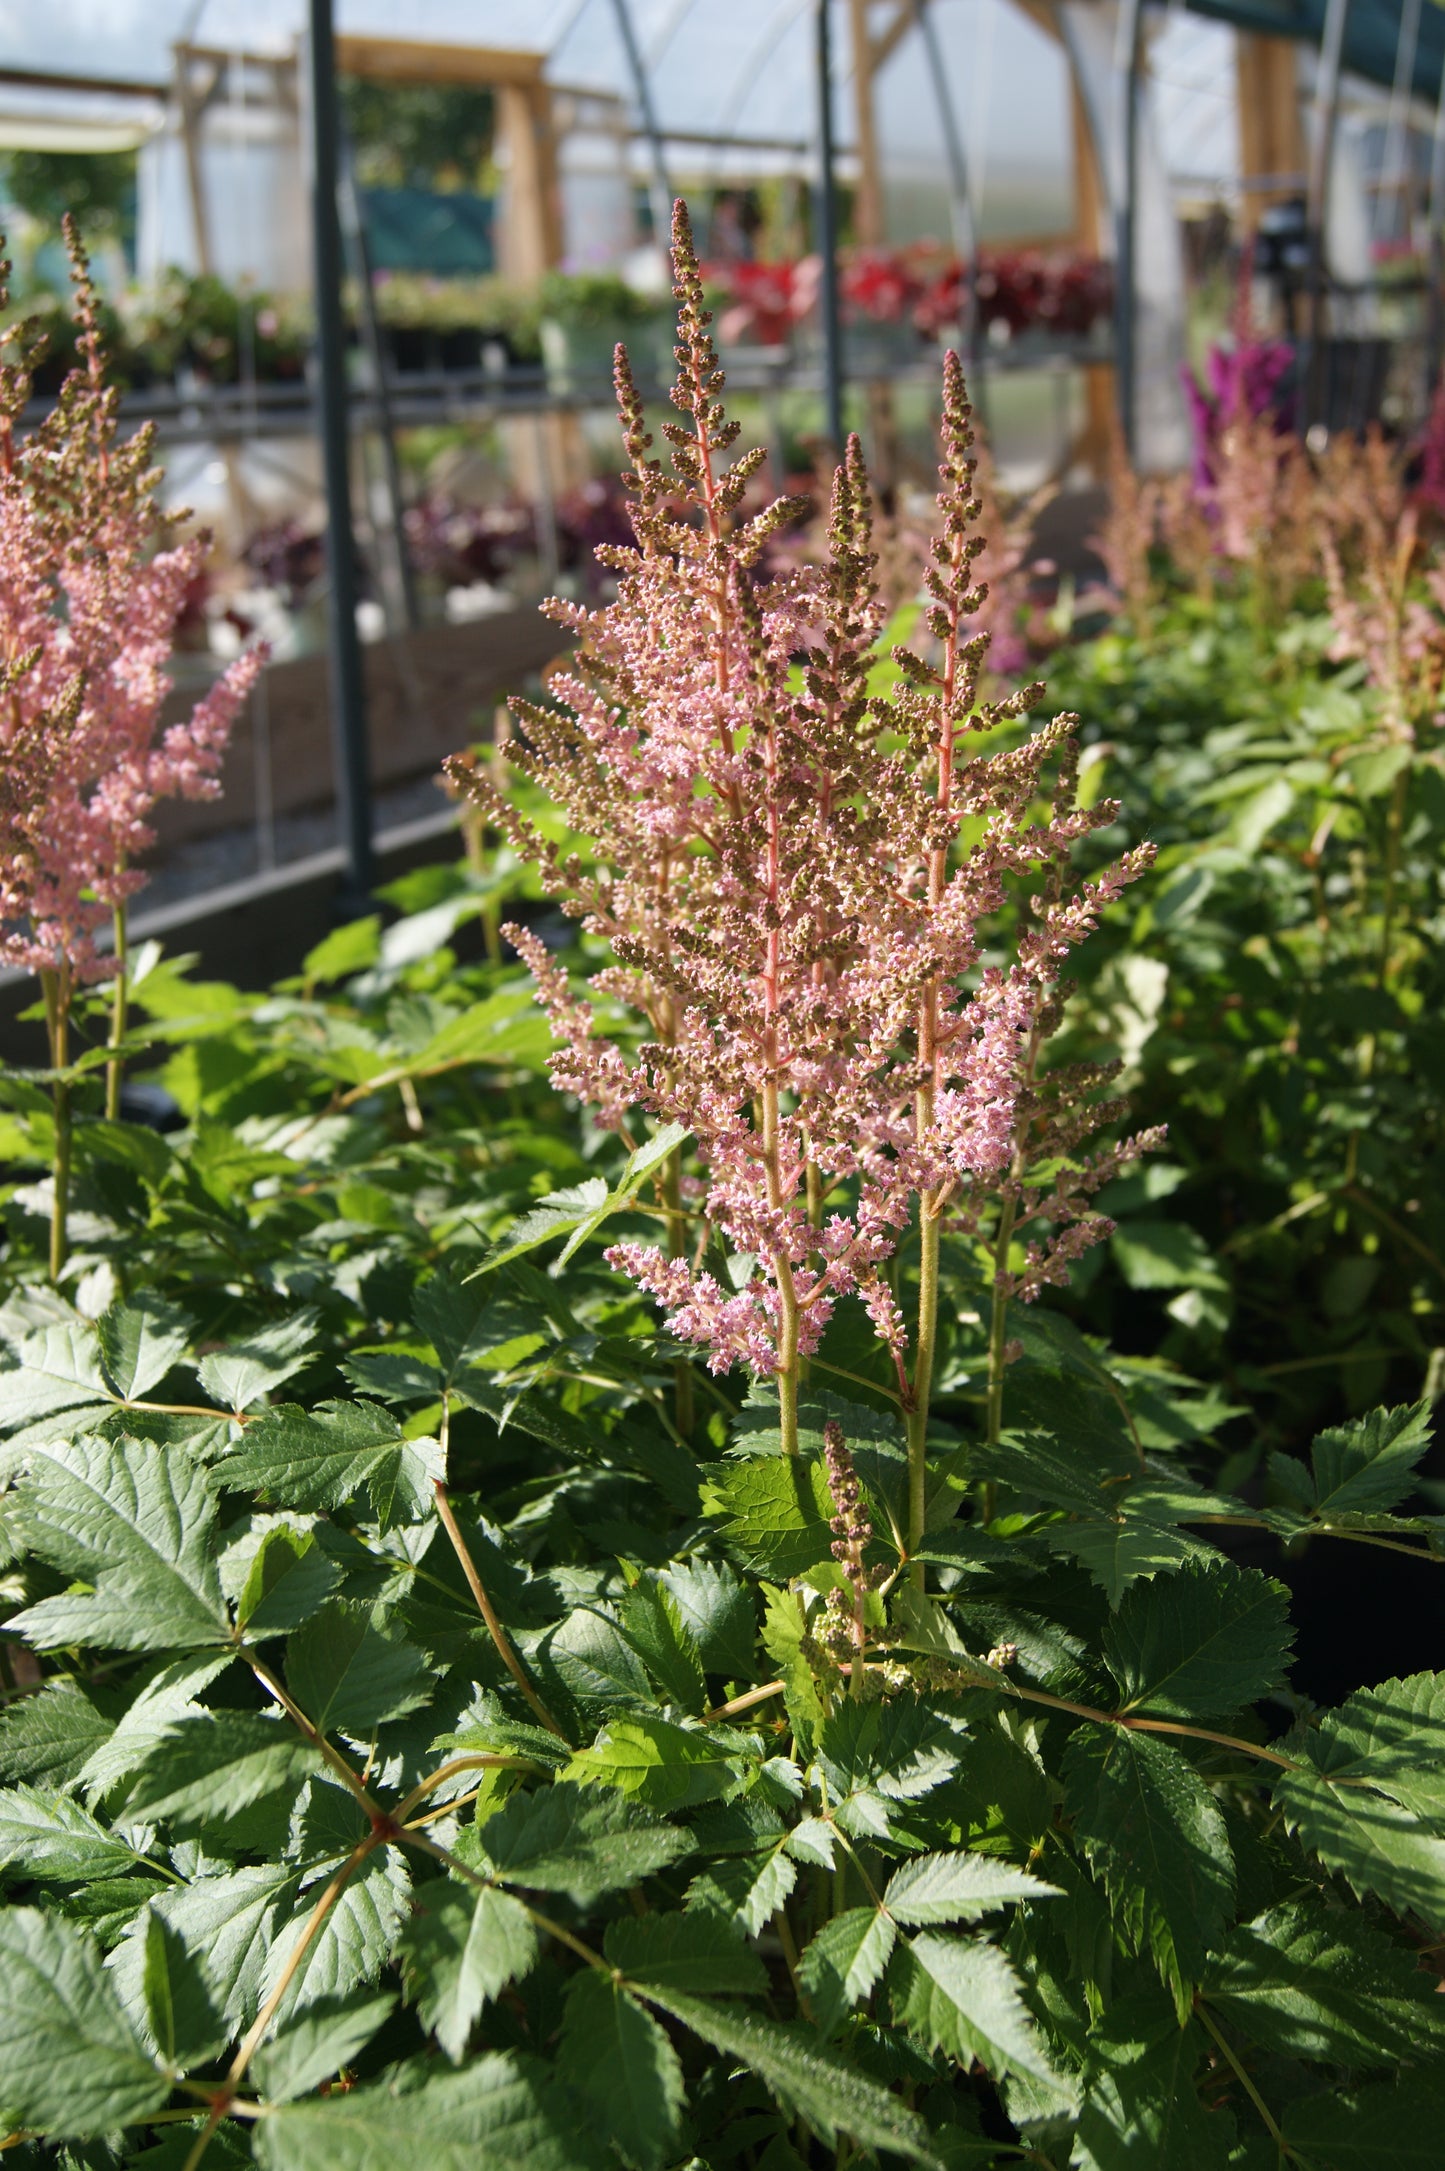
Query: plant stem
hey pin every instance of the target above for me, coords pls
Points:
(254, 2035)
(1271, 2125)
(313, 1734)
(683, 1412)
(481, 1761)
(997, 1340)
(55, 986)
(921, 1385)
(1394, 827)
(115, 1068)
(486, 1609)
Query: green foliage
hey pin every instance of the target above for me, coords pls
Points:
(420, 1709)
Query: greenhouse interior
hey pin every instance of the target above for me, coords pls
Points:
(722, 1012)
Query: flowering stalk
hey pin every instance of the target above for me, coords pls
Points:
(782, 875)
(88, 608)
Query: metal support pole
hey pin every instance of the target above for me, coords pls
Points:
(1395, 177)
(960, 196)
(827, 224)
(348, 696)
(1435, 215)
(1126, 70)
(1327, 107)
(353, 220)
(660, 188)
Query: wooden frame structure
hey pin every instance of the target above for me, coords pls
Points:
(530, 233)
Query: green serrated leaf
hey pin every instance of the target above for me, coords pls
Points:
(830, 2093)
(584, 1842)
(213, 1764)
(169, 1694)
(1383, 2128)
(844, 1961)
(49, 1736)
(503, 2109)
(683, 1952)
(1303, 1981)
(594, 1660)
(136, 1521)
(181, 2026)
(289, 1579)
(718, 1613)
(356, 1938)
(653, 1624)
(70, 2063)
(1154, 1836)
(620, 2058)
(58, 1367)
(960, 1995)
(1366, 1796)
(1141, 2108)
(228, 1923)
(959, 1888)
(239, 1375)
(1200, 1643)
(140, 1342)
(775, 1511)
(458, 1950)
(745, 1890)
(314, 1458)
(315, 2045)
(652, 1761)
(349, 1676)
(1363, 1467)
(54, 1839)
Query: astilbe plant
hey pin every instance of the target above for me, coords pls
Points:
(795, 881)
(90, 593)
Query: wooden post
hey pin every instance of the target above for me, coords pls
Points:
(1271, 131)
(193, 102)
(1097, 435)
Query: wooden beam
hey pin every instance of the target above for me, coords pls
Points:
(868, 203)
(193, 103)
(113, 86)
(879, 48)
(413, 60)
(1271, 129)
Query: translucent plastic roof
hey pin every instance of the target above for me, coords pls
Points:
(700, 52)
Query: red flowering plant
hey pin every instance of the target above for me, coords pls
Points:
(794, 878)
(90, 596)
